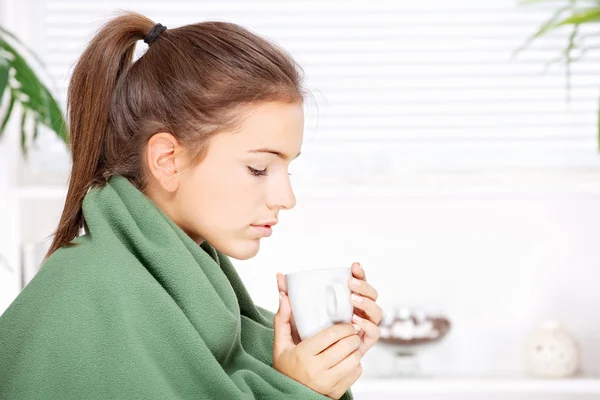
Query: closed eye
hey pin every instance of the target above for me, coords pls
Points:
(257, 172)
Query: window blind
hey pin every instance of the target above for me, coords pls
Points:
(397, 85)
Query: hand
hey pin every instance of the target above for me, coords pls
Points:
(367, 314)
(282, 286)
(327, 362)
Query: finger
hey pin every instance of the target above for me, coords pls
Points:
(282, 283)
(358, 271)
(281, 323)
(295, 334)
(325, 338)
(344, 367)
(282, 286)
(371, 334)
(339, 351)
(347, 380)
(363, 288)
(370, 308)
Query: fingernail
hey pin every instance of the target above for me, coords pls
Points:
(355, 282)
(359, 265)
(356, 327)
(357, 299)
(357, 319)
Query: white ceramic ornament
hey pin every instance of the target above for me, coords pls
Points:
(551, 352)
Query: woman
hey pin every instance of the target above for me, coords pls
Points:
(180, 161)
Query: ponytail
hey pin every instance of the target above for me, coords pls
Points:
(91, 89)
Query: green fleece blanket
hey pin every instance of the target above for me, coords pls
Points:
(137, 310)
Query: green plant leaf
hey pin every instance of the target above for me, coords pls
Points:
(24, 133)
(577, 17)
(39, 99)
(4, 71)
(582, 17)
(549, 25)
(30, 84)
(6, 117)
(36, 130)
(16, 40)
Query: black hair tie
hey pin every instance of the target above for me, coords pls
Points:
(154, 33)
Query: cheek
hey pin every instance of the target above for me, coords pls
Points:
(222, 198)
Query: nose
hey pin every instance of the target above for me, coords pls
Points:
(282, 195)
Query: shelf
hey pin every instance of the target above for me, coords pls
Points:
(478, 385)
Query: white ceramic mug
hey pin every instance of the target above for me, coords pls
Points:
(319, 298)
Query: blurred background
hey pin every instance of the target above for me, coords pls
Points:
(451, 155)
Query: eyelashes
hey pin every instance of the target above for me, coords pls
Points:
(260, 172)
(257, 172)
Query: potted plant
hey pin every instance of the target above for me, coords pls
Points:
(19, 84)
(572, 14)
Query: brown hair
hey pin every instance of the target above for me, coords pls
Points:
(190, 82)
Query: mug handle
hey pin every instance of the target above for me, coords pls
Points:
(337, 296)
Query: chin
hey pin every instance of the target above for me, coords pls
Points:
(240, 250)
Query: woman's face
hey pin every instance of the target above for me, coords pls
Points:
(232, 198)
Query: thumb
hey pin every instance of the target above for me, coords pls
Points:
(282, 283)
(283, 331)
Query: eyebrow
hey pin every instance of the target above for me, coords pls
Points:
(271, 151)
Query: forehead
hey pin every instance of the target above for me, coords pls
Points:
(273, 125)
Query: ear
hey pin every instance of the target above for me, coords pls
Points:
(164, 160)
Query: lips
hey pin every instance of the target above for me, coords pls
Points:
(263, 230)
(267, 223)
